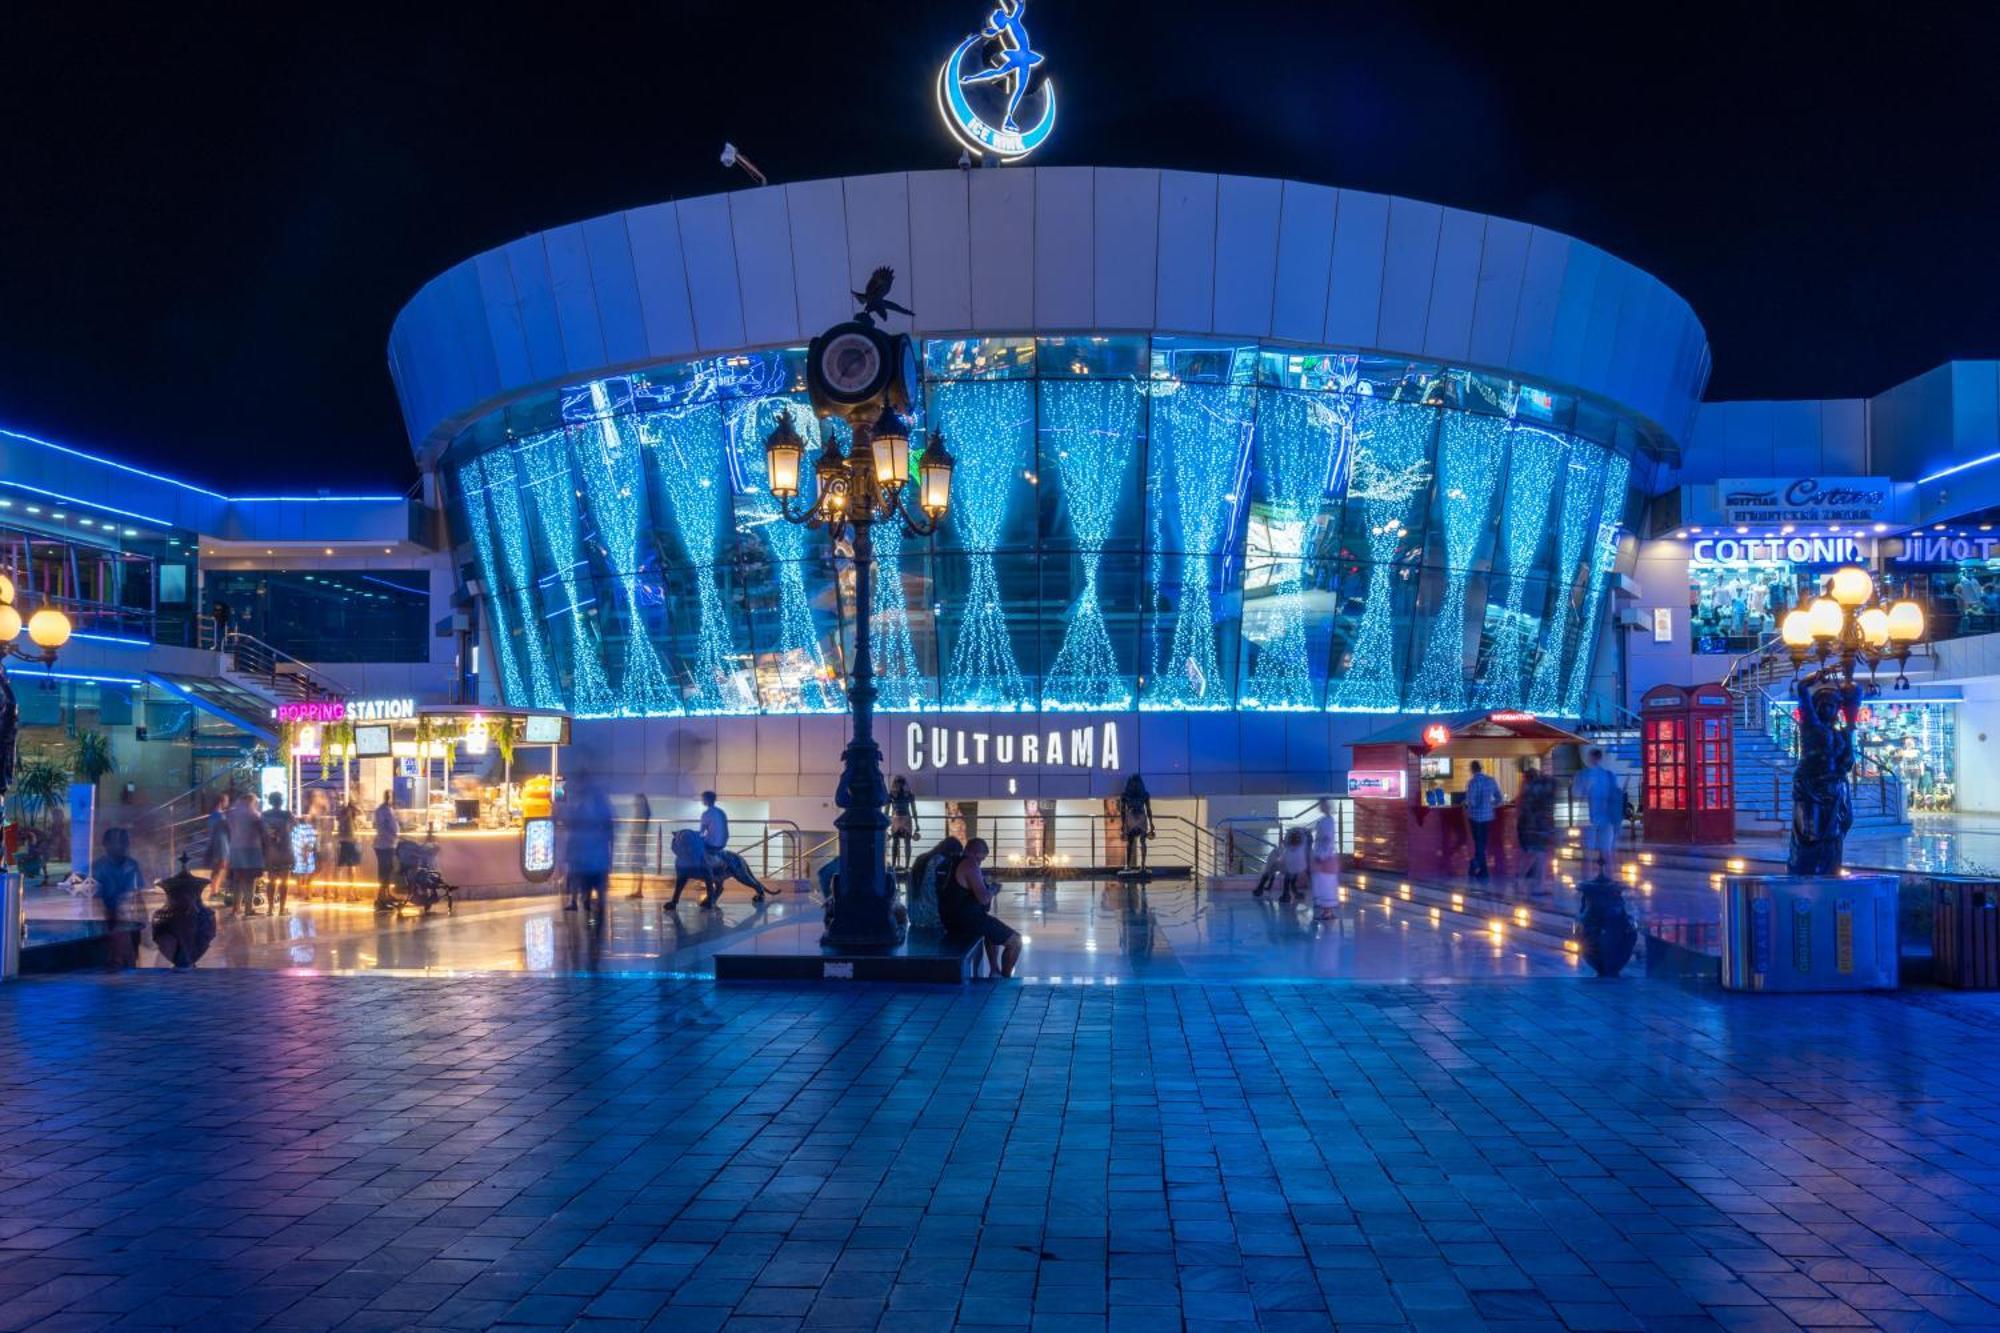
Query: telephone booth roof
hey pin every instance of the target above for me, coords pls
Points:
(1503, 725)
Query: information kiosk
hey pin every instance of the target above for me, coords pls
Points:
(1408, 784)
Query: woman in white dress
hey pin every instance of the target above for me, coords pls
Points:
(1325, 870)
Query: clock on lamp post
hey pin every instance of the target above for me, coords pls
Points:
(867, 377)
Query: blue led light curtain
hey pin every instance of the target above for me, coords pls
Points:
(1168, 524)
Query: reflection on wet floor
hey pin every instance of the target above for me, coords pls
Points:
(1077, 933)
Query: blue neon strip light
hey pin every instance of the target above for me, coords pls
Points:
(1957, 468)
(75, 675)
(86, 504)
(120, 640)
(25, 438)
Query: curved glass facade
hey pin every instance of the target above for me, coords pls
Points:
(1155, 523)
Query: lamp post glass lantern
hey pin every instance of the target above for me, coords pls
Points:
(1840, 631)
(867, 486)
(48, 629)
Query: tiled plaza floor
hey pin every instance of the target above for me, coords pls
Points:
(235, 1148)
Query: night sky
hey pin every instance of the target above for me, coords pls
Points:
(209, 215)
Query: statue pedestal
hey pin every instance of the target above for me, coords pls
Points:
(1809, 932)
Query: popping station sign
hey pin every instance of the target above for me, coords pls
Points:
(347, 710)
(1804, 499)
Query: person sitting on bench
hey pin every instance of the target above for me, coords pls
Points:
(965, 902)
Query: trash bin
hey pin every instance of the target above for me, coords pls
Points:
(1809, 932)
(1965, 931)
(13, 924)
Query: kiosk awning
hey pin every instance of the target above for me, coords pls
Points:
(1415, 731)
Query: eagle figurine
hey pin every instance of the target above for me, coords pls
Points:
(875, 302)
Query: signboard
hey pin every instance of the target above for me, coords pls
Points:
(538, 848)
(1803, 499)
(544, 729)
(1387, 784)
(1436, 734)
(371, 742)
(1774, 550)
(347, 710)
(991, 91)
(1663, 624)
(1092, 745)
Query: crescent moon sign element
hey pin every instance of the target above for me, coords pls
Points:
(970, 129)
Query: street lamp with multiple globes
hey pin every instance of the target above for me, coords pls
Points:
(48, 630)
(857, 372)
(1840, 630)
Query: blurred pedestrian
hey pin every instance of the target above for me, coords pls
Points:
(903, 830)
(1482, 804)
(640, 842)
(278, 854)
(587, 819)
(117, 876)
(388, 832)
(246, 853)
(1325, 864)
(1604, 805)
(1135, 817)
(1535, 825)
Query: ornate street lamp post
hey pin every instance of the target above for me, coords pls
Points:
(1840, 631)
(857, 372)
(48, 630)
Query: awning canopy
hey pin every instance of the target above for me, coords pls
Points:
(1503, 725)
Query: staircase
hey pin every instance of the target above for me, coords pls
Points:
(1764, 767)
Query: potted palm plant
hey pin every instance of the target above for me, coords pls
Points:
(91, 761)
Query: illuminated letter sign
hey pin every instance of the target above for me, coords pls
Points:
(1436, 734)
(313, 710)
(935, 748)
(1015, 110)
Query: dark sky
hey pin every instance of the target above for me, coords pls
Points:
(209, 215)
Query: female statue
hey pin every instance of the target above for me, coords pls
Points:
(1822, 803)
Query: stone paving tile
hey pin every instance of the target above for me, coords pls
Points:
(242, 1149)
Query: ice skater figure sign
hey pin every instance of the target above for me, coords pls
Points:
(990, 92)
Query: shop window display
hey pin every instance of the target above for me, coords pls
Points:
(1916, 741)
(1735, 605)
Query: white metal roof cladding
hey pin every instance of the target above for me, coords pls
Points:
(1045, 249)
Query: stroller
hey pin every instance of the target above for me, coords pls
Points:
(418, 880)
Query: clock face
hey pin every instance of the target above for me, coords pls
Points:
(851, 364)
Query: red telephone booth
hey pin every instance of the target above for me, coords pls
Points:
(1687, 751)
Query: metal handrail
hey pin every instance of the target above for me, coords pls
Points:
(660, 858)
(252, 656)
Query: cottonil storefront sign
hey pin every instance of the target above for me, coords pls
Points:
(1804, 499)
